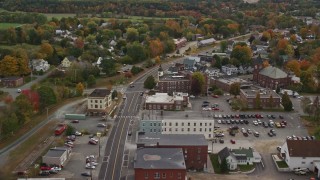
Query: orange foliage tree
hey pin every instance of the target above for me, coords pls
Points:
(304, 65)
(294, 66)
(156, 47)
(282, 44)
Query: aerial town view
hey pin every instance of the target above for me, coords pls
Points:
(159, 89)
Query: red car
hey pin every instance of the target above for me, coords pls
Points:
(215, 109)
(93, 142)
(45, 168)
(284, 122)
(215, 96)
(232, 141)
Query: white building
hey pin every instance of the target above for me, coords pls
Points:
(99, 100)
(235, 157)
(229, 69)
(302, 154)
(213, 72)
(188, 126)
(57, 156)
(39, 65)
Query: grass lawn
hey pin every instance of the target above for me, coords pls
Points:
(28, 47)
(215, 163)
(59, 16)
(245, 168)
(9, 25)
(282, 164)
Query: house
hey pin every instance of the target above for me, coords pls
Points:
(67, 61)
(270, 77)
(302, 154)
(194, 147)
(230, 44)
(249, 95)
(98, 62)
(12, 81)
(229, 69)
(163, 101)
(39, 65)
(57, 156)
(235, 157)
(99, 100)
(179, 43)
(160, 163)
(206, 42)
(212, 72)
(190, 62)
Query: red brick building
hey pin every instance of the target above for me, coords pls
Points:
(249, 96)
(159, 163)
(270, 77)
(163, 101)
(194, 146)
(174, 83)
(12, 81)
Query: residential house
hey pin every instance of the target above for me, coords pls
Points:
(57, 156)
(99, 100)
(235, 157)
(163, 101)
(67, 61)
(194, 147)
(160, 163)
(206, 42)
(229, 69)
(190, 62)
(39, 65)
(212, 72)
(179, 43)
(249, 96)
(270, 77)
(302, 154)
(12, 81)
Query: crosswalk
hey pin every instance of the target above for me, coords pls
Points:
(127, 117)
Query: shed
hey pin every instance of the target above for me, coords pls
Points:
(57, 156)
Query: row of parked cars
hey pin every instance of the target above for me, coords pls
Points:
(46, 170)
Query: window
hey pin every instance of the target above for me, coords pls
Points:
(100, 101)
(205, 124)
(170, 129)
(195, 124)
(209, 129)
(150, 130)
(205, 129)
(176, 129)
(200, 124)
(154, 130)
(146, 175)
(163, 175)
(156, 175)
(303, 162)
(188, 129)
(199, 150)
(150, 124)
(182, 129)
(155, 124)
(194, 129)
(179, 175)
(170, 124)
(209, 124)
(198, 157)
(200, 129)
(182, 124)
(142, 124)
(171, 174)
(188, 124)
(176, 124)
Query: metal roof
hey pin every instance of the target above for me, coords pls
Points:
(172, 139)
(273, 72)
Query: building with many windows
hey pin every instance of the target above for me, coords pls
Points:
(99, 100)
(194, 146)
(163, 101)
(160, 163)
(268, 98)
(169, 83)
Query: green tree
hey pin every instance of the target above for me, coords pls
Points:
(242, 53)
(271, 101)
(70, 130)
(91, 80)
(132, 34)
(108, 66)
(197, 83)
(217, 63)
(9, 124)
(223, 46)
(224, 166)
(79, 89)
(114, 94)
(218, 92)
(257, 103)
(137, 52)
(235, 89)
(150, 82)
(47, 97)
(23, 108)
(286, 102)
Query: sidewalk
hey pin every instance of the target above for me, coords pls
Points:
(209, 165)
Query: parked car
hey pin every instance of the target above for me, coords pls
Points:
(44, 173)
(270, 134)
(45, 168)
(89, 166)
(221, 141)
(77, 133)
(232, 141)
(92, 142)
(53, 171)
(101, 125)
(86, 174)
(300, 172)
(280, 116)
(220, 135)
(71, 138)
(256, 134)
(215, 96)
(279, 148)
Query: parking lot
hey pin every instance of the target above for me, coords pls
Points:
(77, 162)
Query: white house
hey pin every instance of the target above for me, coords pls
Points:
(39, 65)
(235, 157)
(206, 42)
(229, 69)
(67, 61)
(188, 126)
(99, 100)
(302, 154)
(212, 72)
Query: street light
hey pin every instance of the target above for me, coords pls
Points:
(99, 135)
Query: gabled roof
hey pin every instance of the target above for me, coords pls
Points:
(100, 93)
(189, 62)
(243, 151)
(303, 148)
(224, 153)
(273, 72)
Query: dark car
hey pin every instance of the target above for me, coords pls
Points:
(233, 141)
(232, 133)
(221, 141)
(245, 134)
(281, 117)
(270, 134)
(87, 174)
(273, 116)
(75, 121)
(246, 121)
(265, 124)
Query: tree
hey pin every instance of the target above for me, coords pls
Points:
(257, 103)
(150, 82)
(132, 34)
(91, 80)
(136, 51)
(217, 63)
(294, 66)
(79, 89)
(235, 89)
(70, 130)
(114, 94)
(156, 47)
(224, 166)
(223, 46)
(108, 66)
(9, 66)
(278, 90)
(46, 49)
(23, 108)
(242, 53)
(197, 83)
(303, 32)
(47, 97)
(271, 101)
(286, 102)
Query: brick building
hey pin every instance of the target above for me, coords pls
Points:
(163, 101)
(174, 83)
(159, 163)
(12, 81)
(270, 77)
(249, 96)
(225, 84)
(195, 147)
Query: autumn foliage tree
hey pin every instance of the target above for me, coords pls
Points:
(294, 66)
(156, 47)
(9, 66)
(79, 89)
(197, 83)
(242, 53)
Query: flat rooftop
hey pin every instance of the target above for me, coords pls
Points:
(230, 81)
(176, 77)
(160, 98)
(172, 139)
(159, 158)
(264, 93)
(55, 152)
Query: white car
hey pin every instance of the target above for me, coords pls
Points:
(18, 90)
(219, 121)
(77, 133)
(255, 123)
(56, 168)
(89, 166)
(94, 139)
(220, 116)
